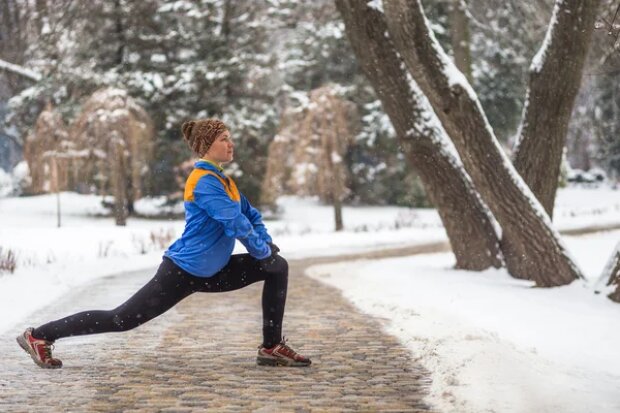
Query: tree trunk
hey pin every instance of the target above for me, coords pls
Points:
(337, 187)
(459, 36)
(611, 274)
(465, 218)
(536, 252)
(119, 181)
(554, 80)
(120, 33)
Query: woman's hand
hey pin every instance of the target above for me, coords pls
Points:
(274, 248)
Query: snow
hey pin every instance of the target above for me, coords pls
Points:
(376, 5)
(539, 58)
(6, 183)
(491, 342)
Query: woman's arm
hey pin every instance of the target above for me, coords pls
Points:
(255, 217)
(210, 195)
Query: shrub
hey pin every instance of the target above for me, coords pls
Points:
(7, 260)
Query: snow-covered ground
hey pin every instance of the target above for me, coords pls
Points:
(491, 342)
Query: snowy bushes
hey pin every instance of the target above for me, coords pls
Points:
(7, 261)
(14, 183)
(6, 184)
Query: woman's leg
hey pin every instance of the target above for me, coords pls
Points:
(243, 270)
(169, 286)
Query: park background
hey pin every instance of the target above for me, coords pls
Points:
(92, 95)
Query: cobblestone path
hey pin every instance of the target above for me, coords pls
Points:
(200, 356)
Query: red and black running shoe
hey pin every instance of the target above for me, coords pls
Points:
(39, 350)
(281, 355)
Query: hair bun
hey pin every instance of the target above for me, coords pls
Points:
(187, 128)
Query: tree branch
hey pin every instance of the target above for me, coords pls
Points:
(20, 70)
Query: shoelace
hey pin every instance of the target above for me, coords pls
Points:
(47, 350)
(291, 353)
(283, 346)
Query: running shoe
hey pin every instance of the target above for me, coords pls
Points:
(39, 350)
(281, 355)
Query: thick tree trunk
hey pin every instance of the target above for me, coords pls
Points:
(554, 80)
(466, 219)
(459, 36)
(536, 251)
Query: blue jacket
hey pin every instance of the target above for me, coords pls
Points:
(216, 214)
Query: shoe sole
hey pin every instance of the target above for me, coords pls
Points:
(277, 362)
(24, 345)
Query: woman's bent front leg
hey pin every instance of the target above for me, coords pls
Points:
(243, 270)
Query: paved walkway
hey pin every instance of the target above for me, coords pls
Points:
(200, 356)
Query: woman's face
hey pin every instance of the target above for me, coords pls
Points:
(221, 150)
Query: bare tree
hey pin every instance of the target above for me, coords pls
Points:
(554, 80)
(333, 118)
(112, 126)
(279, 160)
(49, 135)
(536, 251)
(428, 150)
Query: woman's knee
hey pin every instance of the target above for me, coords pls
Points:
(283, 263)
(281, 266)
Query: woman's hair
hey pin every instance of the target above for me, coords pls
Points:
(200, 134)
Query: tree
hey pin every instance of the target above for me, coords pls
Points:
(117, 135)
(555, 77)
(329, 120)
(49, 135)
(459, 34)
(424, 143)
(307, 155)
(611, 274)
(536, 252)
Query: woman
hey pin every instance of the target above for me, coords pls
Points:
(216, 214)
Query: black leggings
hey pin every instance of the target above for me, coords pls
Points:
(170, 285)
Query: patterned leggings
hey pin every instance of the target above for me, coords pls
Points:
(170, 285)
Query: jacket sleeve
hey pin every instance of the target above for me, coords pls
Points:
(255, 218)
(209, 195)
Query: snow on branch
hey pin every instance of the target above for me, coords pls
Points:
(20, 70)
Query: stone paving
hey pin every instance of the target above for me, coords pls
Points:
(200, 356)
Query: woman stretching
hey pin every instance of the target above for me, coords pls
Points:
(216, 214)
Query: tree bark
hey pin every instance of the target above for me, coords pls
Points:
(119, 180)
(328, 136)
(466, 219)
(554, 80)
(536, 251)
(459, 36)
(611, 274)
